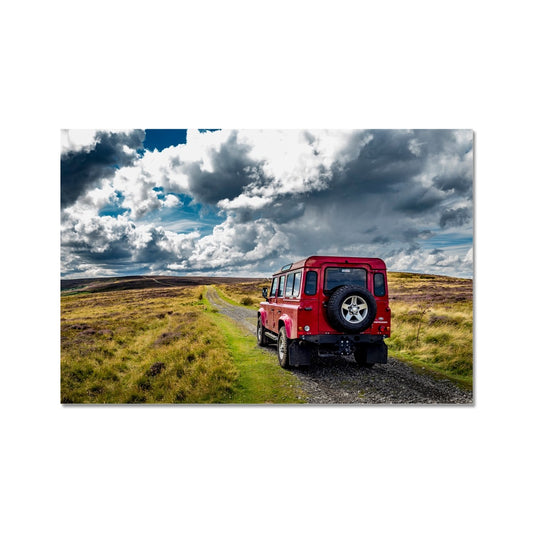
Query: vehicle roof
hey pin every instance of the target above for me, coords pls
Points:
(319, 260)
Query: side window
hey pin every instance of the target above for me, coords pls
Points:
(274, 287)
(310, 283)
(379, 284)
(281, 285)
(297, 280)
(288, 288)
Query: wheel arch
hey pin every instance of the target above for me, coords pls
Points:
(286, 321)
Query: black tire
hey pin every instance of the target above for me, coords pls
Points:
(261, 337)
(283, 348)
(351, 309)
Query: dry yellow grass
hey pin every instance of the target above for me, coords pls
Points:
(247, 293)
(162, 345)
(432, 323)
(142, 346)
(437, 336)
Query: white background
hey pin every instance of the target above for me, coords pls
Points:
(278, 64)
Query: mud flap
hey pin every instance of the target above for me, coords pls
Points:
(376, 352)
(300, 354)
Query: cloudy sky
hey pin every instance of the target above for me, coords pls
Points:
(245, 202)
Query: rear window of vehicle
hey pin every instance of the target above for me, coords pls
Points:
(336, 276)
(379, 284)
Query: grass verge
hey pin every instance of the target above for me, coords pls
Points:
(260, 378)
(424, 367)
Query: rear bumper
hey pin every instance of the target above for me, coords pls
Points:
(366, 348)
(336, 337)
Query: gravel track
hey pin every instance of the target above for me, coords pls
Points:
(339, 380)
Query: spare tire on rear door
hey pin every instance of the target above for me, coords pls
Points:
(351, 308)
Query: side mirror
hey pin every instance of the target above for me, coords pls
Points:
(265, 292)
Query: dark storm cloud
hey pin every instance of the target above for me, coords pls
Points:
(100, 241)
(232, 170)
(417, 200)
(386, 193)
(110, 244)
(376, 173)
(78, 257)
(455, 217)
(382, 180)
(282, 211)
(152, 253)
(83, 169)
(460, 183)
(411, 234)
(116, 252)
(381, 164)
(390, 163)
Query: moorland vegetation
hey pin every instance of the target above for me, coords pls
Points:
(124, 342)
(161, 345)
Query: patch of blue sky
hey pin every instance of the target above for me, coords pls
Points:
(161, 139)
(185, 217)
(459, 241)
(114, 209)
(161, 192)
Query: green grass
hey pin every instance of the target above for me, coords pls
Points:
(260, 378)
(161, 345)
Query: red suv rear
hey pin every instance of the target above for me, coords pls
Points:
(326, 305)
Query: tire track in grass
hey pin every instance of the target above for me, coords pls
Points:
(260, 380)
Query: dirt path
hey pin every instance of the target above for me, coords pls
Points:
(340, 380)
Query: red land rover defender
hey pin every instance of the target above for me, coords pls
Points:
(326, 305)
